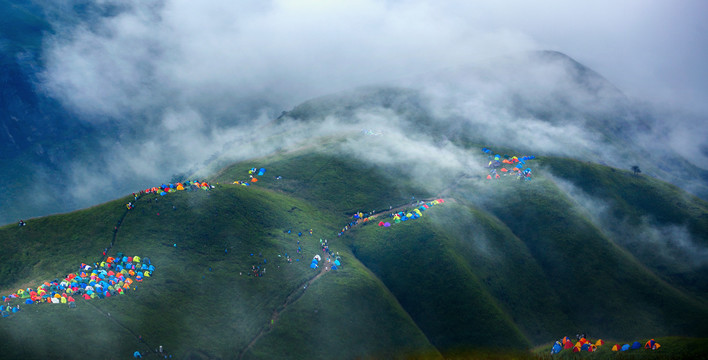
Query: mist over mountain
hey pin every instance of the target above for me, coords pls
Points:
(366, 107)
(106, 98)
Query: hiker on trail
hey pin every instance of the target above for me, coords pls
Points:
(22, 223)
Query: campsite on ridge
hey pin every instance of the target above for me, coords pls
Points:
(310, 180)
(479, 253)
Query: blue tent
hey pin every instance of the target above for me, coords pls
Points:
(636, 345)
(625, 347)
(334, 267)
(261, 171)
(556, 348)
(585, 347)
(337, 263)
(313, 265)
(29, 301)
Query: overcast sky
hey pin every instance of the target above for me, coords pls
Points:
(654, 49)
(292, 50)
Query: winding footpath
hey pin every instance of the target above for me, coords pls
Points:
(292, 297)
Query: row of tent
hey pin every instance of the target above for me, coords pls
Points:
(164, 189)
(651, 345)
(413, 214)
(252, 173)
(497, 161)
(112, 277)
(584, 345)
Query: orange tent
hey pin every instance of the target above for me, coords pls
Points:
(254, 180)
(504, 170)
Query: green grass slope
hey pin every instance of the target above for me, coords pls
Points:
(349, 303)
(329, 180)
(200, 301)
(500, 267)
(442, 294)
(601, 287)
(636, 203)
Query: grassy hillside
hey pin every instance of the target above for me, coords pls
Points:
(330, 180)
(638, 204)
(500, 267)
(198, 288)
(601, 287)
(435, 286)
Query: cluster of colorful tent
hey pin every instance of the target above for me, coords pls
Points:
(412, 214)
(316, 259)
(583, 345)
(164, 189)
(6, 310)
(252, 173)
(497, 161)
(112, 277)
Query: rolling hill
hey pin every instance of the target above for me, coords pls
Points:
(500, 267)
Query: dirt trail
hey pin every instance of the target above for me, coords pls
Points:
(302, 288)
(294, 295)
